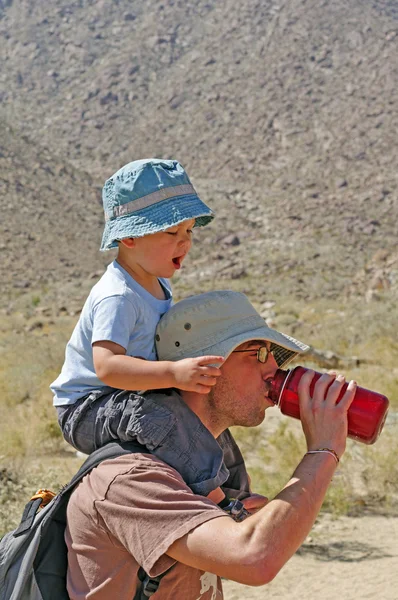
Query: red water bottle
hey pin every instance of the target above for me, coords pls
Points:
(366, 415)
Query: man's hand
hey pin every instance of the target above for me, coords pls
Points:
(196, 374)
(324, 420)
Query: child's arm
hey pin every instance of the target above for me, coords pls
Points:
(123, 372)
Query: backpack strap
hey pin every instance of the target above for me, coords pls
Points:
(28, 516)
(107, 452)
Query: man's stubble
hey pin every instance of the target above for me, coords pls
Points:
(229, 406)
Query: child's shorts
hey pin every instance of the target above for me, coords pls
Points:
(162, 422)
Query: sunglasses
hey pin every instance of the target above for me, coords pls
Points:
(262, 353)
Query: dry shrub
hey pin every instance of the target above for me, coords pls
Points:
(27, 418)
(367, 477)
(22, 478)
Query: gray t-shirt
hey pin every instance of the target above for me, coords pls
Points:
(118, 310)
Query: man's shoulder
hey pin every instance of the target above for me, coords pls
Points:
(142, 480)
(125, 472)
(127, 464)
(131, 469)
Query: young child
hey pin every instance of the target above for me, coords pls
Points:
(150, 210)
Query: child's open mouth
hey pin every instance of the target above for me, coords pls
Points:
(177, 260)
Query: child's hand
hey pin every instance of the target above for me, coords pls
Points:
(196, 374)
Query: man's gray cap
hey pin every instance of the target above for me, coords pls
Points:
(216, 323)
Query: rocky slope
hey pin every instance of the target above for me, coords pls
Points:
(50, 219)
(284, 113)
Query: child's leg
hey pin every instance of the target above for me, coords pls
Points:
(98, 419)
(69, 416)
(237, 484)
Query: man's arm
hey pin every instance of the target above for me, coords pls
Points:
(253, 552)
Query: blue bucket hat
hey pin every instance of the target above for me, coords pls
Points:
(146, 196)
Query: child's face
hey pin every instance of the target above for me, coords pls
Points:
(161, 254)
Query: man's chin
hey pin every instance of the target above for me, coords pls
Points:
(252, 420)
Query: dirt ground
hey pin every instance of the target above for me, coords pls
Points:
(343, 559)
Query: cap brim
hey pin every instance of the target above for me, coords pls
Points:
(285, 347)
(155, 218)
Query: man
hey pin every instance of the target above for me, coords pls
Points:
(136, 510)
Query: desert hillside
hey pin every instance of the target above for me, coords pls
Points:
(284, 114)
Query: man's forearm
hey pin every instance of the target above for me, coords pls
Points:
(275, 533)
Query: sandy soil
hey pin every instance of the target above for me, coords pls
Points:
(343, 559)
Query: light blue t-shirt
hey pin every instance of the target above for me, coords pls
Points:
(117, 310)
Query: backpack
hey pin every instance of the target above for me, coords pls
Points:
(33, 557)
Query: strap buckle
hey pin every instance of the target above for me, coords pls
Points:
(149, 585)
(45, 495)
(236, 510)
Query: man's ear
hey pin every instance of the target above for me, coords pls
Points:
(128, 242)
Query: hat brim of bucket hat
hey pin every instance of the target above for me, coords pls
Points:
(285, 348)
(155, 218)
